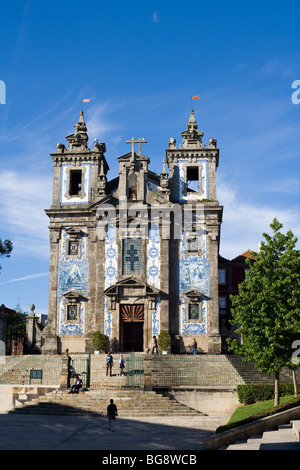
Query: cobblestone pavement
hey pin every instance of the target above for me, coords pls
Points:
(30, 432)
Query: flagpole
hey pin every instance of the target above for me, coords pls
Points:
(194, 98)
(86, 100)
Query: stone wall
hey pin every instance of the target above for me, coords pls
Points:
(208, 371)
(16, 369)
(165, 371)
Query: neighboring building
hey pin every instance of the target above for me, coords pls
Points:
(137, 254)
(231, 274)
(12, 331)
(42, 318)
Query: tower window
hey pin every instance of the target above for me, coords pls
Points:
(192, 245)
(73, 248)
(72, 312)
(192, 178)
(75, 182)
(194, 312)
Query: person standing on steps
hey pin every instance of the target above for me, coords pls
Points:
(109, 363)
(112, 412)
(122, 364)
(154, 346)
(194, 347)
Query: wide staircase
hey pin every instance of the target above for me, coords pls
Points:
(130, 403)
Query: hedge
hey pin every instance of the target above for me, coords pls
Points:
(248, 394)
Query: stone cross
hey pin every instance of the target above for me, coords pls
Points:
(132, 142)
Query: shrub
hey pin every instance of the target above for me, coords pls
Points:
(99, 341)
(248, 394)
(164, 340)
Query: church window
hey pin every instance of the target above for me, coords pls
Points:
(71, 312)
(73, 248)
(132, 256)
(192, 179)
(192, 245)
(75, 182)
(194, 311)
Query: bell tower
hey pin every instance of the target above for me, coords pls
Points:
(79, 178)
(193, 168)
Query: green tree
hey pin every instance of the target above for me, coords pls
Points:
(266, 309)
(6, 247)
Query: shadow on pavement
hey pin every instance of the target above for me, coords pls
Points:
(33, 429)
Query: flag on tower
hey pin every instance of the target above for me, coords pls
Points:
(195, 97)
(86, 100)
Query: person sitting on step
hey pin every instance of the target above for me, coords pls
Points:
(77, 385)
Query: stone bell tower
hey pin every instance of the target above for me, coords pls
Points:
(193, 169)
(79, 177)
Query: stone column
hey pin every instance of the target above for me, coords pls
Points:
(49, 332)
(30, 331)
(147, 373)
(214, 337)
(65, 371)
(2, 331)
(164, 285)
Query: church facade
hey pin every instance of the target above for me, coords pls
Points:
(136, 254)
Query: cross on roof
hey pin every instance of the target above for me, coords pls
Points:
(132, 142)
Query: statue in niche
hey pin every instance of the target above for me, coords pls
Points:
(132, 186)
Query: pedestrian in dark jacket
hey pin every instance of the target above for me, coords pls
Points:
(112, 412)
(109, 363)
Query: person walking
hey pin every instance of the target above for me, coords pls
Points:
(112, 412)
(122, 364)
(194, 347)
(154, 346)
(109, 364)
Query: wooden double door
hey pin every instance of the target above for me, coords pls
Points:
(132, 327)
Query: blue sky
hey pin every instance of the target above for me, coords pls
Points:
(140, 62)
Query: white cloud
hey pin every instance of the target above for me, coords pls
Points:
(23, 198)
(155, 17)
(245, 222)
(96, 123)
(287, 186)
(26, 278)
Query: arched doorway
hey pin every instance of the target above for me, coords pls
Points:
(132, 327)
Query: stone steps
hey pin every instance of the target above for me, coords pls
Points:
(130, 403)
(284, 437)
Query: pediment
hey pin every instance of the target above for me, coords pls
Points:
(131, 283)
(138, 156)
(74, 295)
(107, 199)
(193, 293)
(74, 232)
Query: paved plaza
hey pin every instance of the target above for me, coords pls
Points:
(42, 432)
